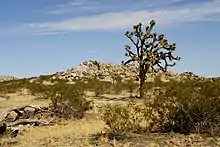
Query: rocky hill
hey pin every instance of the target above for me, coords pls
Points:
(7, 78)
(107, 71)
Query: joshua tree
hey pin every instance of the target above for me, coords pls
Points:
(153, 52)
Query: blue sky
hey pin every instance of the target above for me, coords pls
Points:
(45, 36)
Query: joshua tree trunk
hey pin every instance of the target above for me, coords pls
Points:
(142, 77)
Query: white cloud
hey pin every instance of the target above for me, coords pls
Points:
(209, 11)
(72, 6)
(75, 6)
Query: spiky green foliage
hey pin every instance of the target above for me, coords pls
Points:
(153, 52)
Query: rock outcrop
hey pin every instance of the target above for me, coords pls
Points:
(7, 78)
(107, 71)
(95, 68)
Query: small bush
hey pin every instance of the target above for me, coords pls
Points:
(12, 86)
(68, 100)
(118, 84)
(131, 86)
(57, 80)
(98, 86)
(189, 106)
(38, 89)
(120, 118)
(43, 78)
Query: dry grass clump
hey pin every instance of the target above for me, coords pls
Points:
(65, 133)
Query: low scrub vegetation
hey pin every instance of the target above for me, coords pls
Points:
(121, 118)
(191, 106)
(188, 106)
(67, 100)
(98, 87)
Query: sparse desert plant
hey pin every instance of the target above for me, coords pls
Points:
(38, 89)
(44, 78)
(99, 87)
(12, 86)
(57, 80)
(130, 86)
(118, 85)
(157, 82)
(153, 53)
(106, 87)
(115, 77)
(188, 106)
(68, 100)
(123, 118)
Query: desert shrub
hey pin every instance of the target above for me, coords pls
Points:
(68, 100)
(104, 87)
(38, 89)
(122, 118)
(98, 86)
(118, 84)
(189, 106)
(12, 86)
(130, 85)
(44, 78)
(57, 80)
(157, 82)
